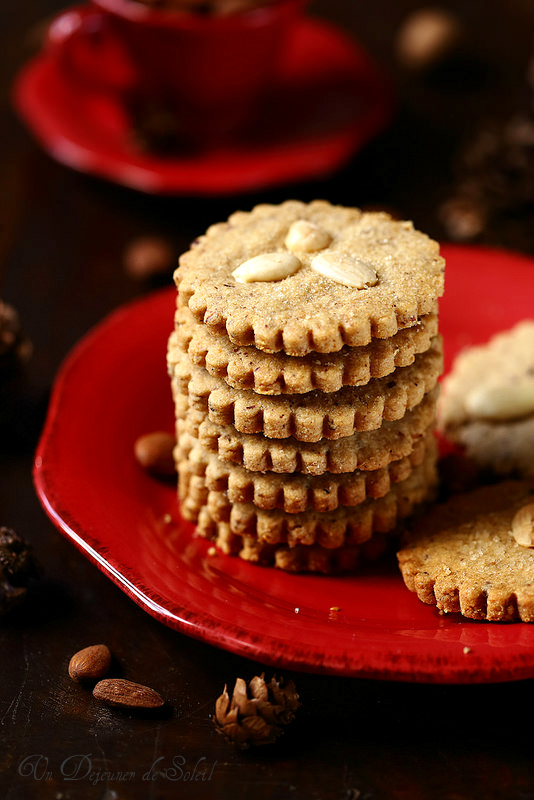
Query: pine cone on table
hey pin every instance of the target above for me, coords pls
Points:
(17, 567)
(15, 347)
(256, 714)
(492, 201)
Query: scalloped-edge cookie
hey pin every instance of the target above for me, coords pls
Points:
(347, 525)
(487, 403)
(296, 493)
(278, 373)
(367, 450)
(313, 416)
(192, 489)
(309, 310)
(462, 556)
(301, 558)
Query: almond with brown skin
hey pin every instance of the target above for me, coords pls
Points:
(154, 452)
(91, 663)
(120, 693)
(147, 256)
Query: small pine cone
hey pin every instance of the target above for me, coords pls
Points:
(256, 714)
(17, 567)
(15, 347)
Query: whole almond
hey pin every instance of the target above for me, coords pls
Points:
(344, 268)
(120, 693)
(306, 236)
(426, 37)
(147, 256)
(523, 526)
(502, 402)
(267, 267)
(91, 663)
(154, 451)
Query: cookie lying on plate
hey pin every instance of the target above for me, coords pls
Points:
(301, 558)
(487, 402)
(344, 525)
(465, 555)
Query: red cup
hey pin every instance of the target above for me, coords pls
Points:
(210, 69)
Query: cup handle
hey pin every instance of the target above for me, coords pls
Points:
(89, 50)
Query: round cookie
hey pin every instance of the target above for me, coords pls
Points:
(365, 450)
(346, 525)
(278, 373)
(296, 492)
(301, 558)
(313, 416)
(487, 402)
(396, 272)
(462, 556)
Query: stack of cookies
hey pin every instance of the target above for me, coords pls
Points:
(304, 365)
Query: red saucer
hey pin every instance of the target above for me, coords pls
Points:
(331, 101)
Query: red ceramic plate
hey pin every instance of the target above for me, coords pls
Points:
(114, 387)
(331, 99)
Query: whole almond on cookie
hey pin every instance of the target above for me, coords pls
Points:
(345, 268)
(523, 525)
(304, 235)
(91, 663)
(120, 693)
(502, 402)
(267, 267)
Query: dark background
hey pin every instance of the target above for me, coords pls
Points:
(62, 241)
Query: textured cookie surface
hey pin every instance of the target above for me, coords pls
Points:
(313, 416)
(309, 311)
(296, 493)
(278, 373)
(505, 361)
(367, 450)
(344, 526)
(487, 403)
(463, 558)
(301, 558)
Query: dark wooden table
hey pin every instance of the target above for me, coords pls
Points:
(62, 240)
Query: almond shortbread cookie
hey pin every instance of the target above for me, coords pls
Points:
(347, 525)
(277, 373)
(487, 404)
(301, 558)
(314, 277)
(366, 450)
(313, 416)
(296, 493)
(462, 557)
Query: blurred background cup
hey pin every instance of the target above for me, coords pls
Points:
(207, 69)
